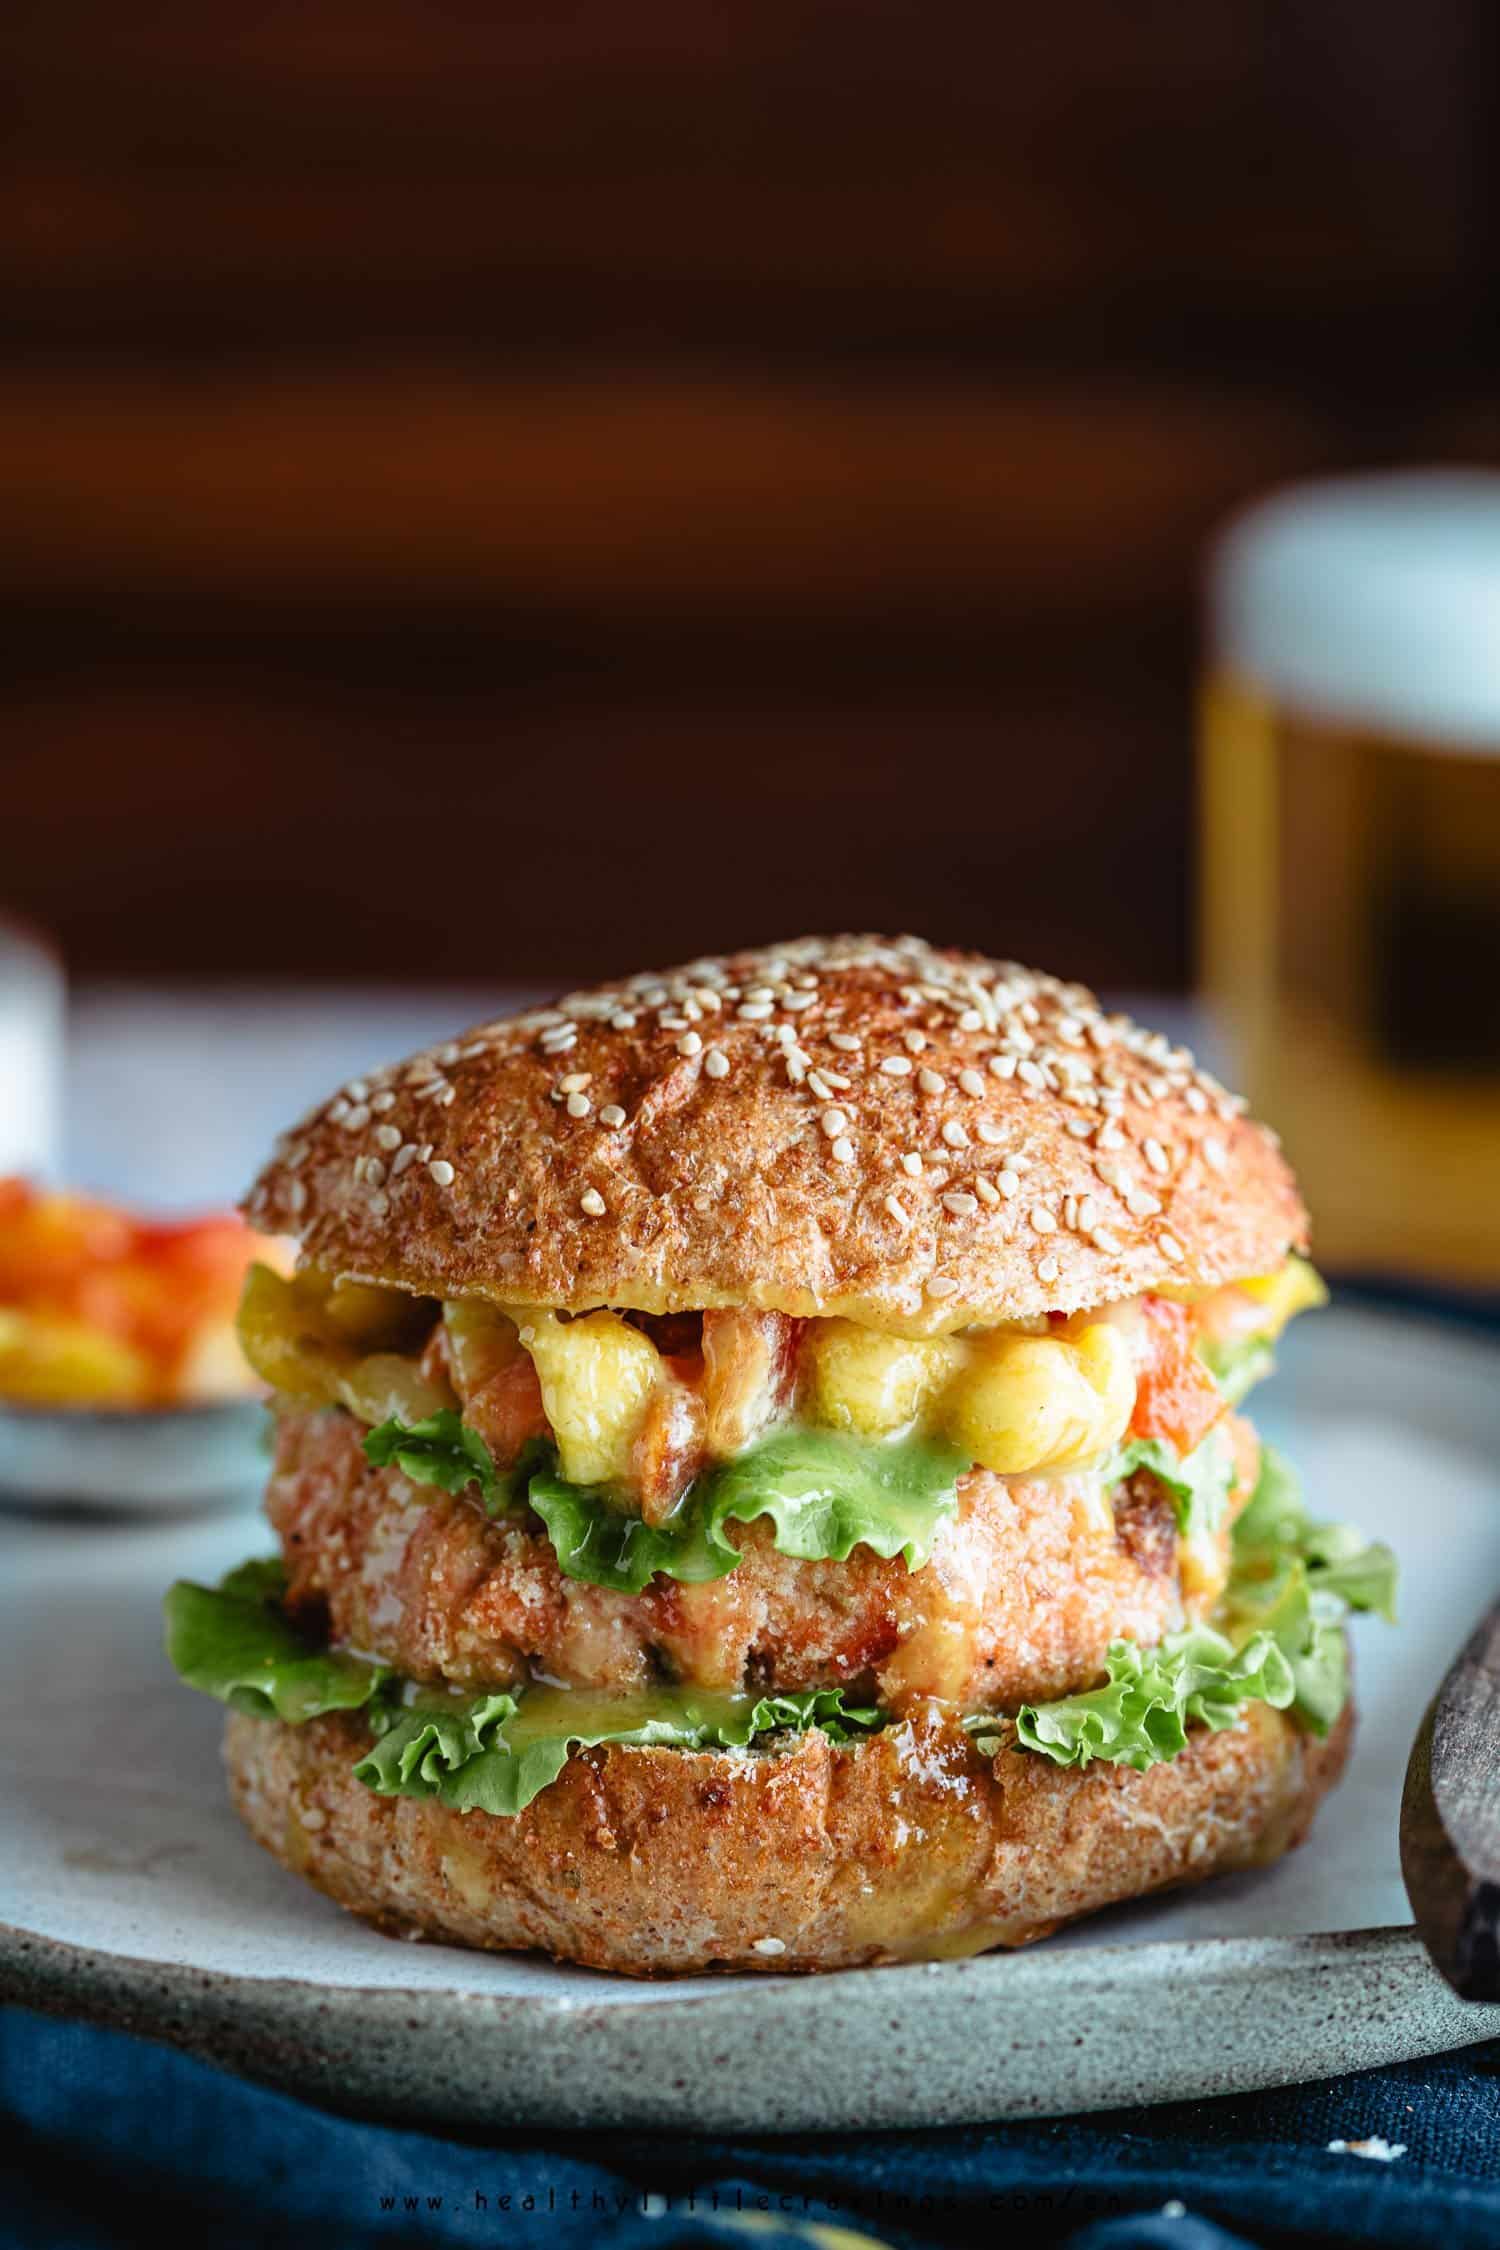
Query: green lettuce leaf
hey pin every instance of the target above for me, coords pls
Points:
(443, 1450)
(1275, 1534)
(1141, 1716)
(1239, 1365)
(495, 1753)
(1291, 1585)
(1199, 1483)
(234, 1642)
(824, 1491)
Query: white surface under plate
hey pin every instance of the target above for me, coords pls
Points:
(129, 1892)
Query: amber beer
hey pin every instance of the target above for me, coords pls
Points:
(1351, 857)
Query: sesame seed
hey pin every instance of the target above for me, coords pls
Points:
(380, 1203)
(833, 1122)
(716, 1063)
(1215, 1154)
(985, 1189)
(1043, 1220)
(911, 1164)
(387, 1137)
(450, 1053)
(1009, 1183)
(1171, 1248)
(296, 1195)
(592, 1202)
(1102, 1239)
(357, 1118)
(445, 1095)
(845, 1041)
(406, 1154)
(374, 1171)
(440, 1172)
(1109, 1135)
(971, 1020)
(358, 1090)
(897, 1210)
(622, 1020)
(1088, 1212)
(797, 1000)
(836, 1078)
(954, 1134)
(611, 1114)
(915, 1042)
(575, 1081)
(896, 1066)
(989, 1132)
(960, 1203)
(819, 1085)
(1080, 1127)
(929, 1081)
(1156, 1157)
(1004, 1066)
(755, 1011)
(1030, 1074)
(382, 1101)
(842, 1151)
(1141, 1204)
(971, 1082)
(1196, 1100)
(939, 1285)
(690, 1044)
(579, 1105)
(770, 1946)
(425, 1151)
(1048, 1269)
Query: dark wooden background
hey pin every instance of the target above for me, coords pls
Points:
(488, 494)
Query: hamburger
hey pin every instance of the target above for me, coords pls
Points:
(761, 1480)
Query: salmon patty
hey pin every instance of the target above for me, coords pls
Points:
(1024, 1590)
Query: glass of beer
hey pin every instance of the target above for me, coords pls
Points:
(1351, 857)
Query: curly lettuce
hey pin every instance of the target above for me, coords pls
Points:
(825, 1493)
(235, 1642)
(495, 1753)
(1140, 1717)
(1291, 1586)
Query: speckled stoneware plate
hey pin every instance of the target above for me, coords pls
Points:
(129, 1893)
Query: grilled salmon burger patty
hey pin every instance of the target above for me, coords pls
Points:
(759, 1445)
(1026, 1586)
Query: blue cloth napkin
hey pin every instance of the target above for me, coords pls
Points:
(112, 2140)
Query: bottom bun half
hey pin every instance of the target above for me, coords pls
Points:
(909, 1845)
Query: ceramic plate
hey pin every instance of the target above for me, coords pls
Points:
(129, 1893)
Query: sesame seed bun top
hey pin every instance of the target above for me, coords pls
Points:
(914, 1138)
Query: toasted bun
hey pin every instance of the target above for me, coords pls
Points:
(744, 1131)
(666, 1862)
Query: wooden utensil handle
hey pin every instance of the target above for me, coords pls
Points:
(1450, 1820)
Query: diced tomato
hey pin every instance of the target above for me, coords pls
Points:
(507, 1411)
(1176, 1398)
(669, 1447)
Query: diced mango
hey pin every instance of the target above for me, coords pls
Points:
(597, 1376)
(858, 1379)
(1295, 1287)
(482, 1342)
(1025, 1403)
